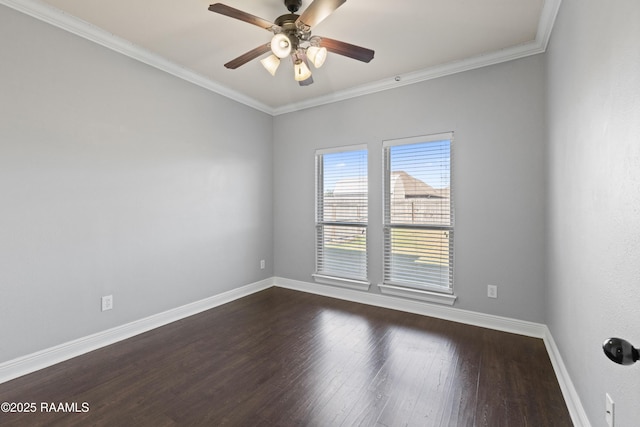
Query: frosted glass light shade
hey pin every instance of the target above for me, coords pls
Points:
(271, 63)
(281, 45)
(317, 55)
(302, 72)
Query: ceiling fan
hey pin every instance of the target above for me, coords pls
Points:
(292, 37)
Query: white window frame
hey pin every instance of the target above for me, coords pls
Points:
(327, 277)
(408, 289)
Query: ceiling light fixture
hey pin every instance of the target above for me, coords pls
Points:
(281, 45)
(292, 37)
(271, 63)
(317, 55)
(302, 72)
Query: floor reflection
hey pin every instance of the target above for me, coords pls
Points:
(376, 362)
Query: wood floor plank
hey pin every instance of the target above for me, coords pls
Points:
(286, 358)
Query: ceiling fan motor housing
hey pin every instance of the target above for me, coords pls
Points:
(288, 24)
(293, 5)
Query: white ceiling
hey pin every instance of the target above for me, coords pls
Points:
(413, 39)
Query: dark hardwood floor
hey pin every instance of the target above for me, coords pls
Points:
(286, 358)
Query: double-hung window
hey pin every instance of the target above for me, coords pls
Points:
(418, 216)
(341, 216)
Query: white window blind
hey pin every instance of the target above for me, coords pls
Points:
(418, 213)
(341, 213)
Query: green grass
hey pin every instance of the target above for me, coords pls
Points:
(428, 246)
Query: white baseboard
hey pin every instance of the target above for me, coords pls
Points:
(574, 405)
(505, 324)
(520, 327)
(48, 357)
(33, 362)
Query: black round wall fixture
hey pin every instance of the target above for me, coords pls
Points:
(620, 351)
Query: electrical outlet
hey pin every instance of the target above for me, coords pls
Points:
(492, 291)
(262, 264)
(107, 302)
(610, 414)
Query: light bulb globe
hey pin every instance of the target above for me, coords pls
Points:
(317, 55)
(281, 45)
(271, 64)
(302, 72)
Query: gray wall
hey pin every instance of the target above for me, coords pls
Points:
(117, 178)
(594, 203)
(497, 114)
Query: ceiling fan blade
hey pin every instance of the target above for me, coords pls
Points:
(252, 54)
(347, 49)
(242, 16)
(317, 11)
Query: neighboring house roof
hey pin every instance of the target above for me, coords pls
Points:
(402, 185)
(405, 186)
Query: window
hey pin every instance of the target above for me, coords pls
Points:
(341, 216)
(418, 216)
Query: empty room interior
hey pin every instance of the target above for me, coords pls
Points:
(442, 230)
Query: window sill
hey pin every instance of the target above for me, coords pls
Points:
(417, 294)
(360, 285)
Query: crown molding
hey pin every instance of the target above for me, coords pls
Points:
(58, 18)
(400, 80)
(90, 32)
(547, 21)
(539, 45)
